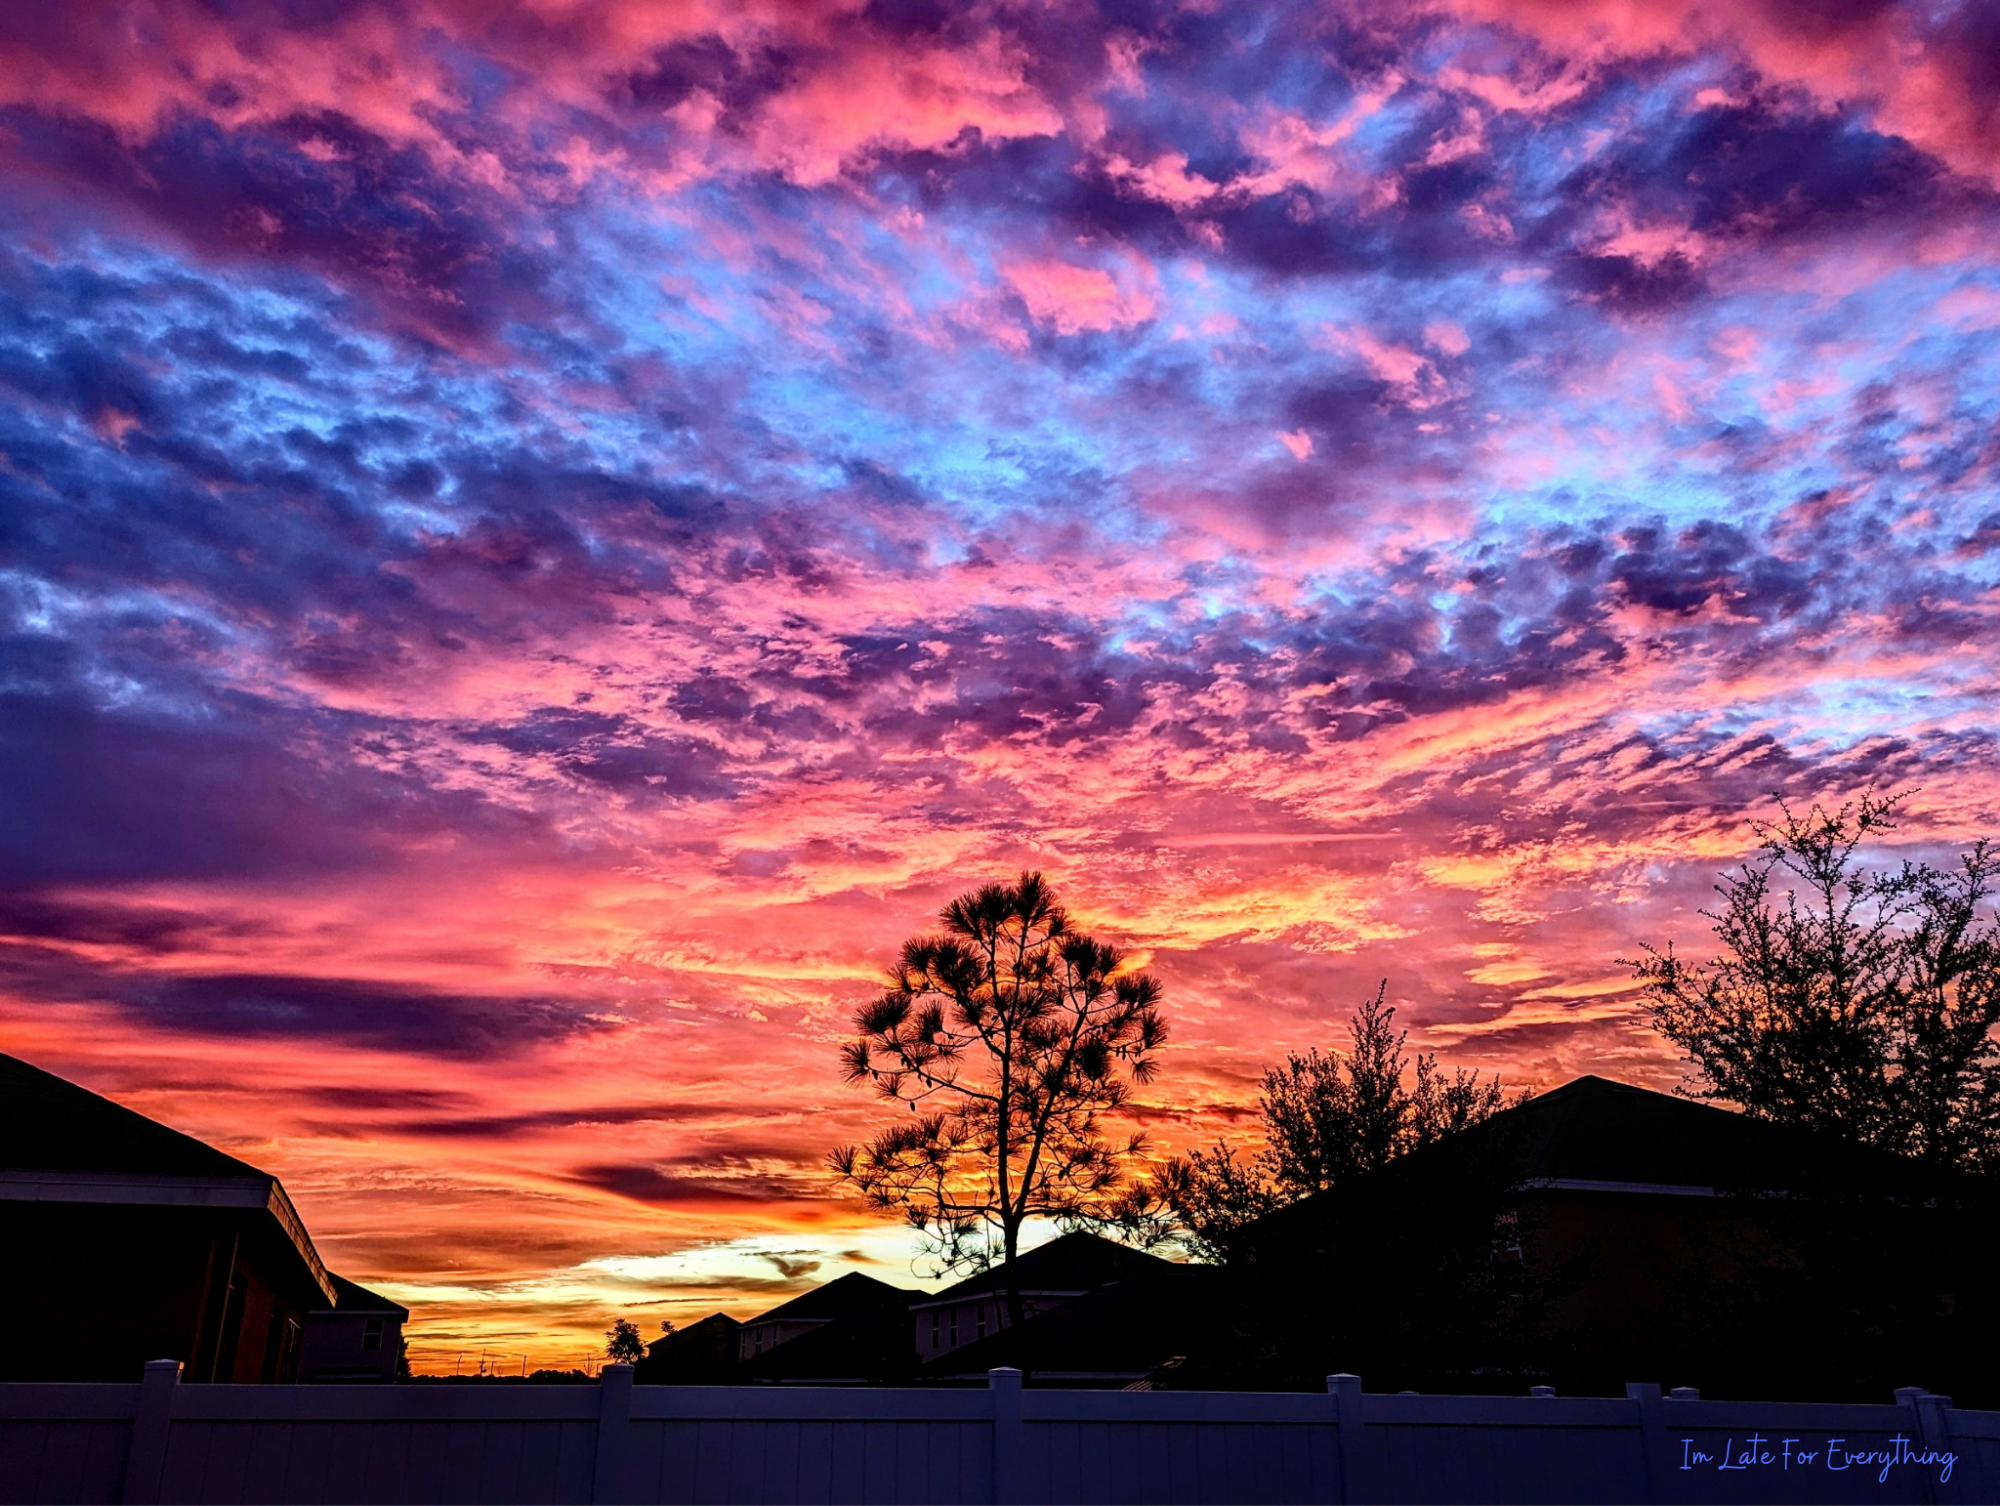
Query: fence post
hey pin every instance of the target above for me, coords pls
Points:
(1927, 1431)
(1936, 1434)
(1346, 1393)
(1004, 1384)
(1652, 1436)
(614, 1435)
(147, 1461)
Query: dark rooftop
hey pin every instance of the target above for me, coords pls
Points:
(1597, 1130)
(714, 1323)
(845, 1297)
(1596, 1134)
(49, 1125)
(351, 1296)
(1072, 1263)
(702, 1353)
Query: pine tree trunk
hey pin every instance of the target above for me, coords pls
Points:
(1011, 1247)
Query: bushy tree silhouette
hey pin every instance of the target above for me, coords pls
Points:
(1328, 1116)
(1861, 1002)
(622, 1342)
(1010, 1036)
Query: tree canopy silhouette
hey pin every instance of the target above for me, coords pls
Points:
(622, 1341)
(1328, 1116)
(1011, 1036)
(1844, 999)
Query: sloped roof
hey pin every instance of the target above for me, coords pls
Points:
(50, 1125)
(1596, 1130)
(351, 1296)
(701, 1353)
(694, 1333)
(1079, 1262)
(843, 1297)
(1594, 1134)
(1129, 1328)
(63, 1143)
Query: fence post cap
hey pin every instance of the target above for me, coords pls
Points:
(164, 1367)
(1343, 1381)
(1541, 1390)
(1908, 1394)
(1003, 1375)
(1641, 1390)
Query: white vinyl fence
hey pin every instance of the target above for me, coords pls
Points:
(160, 1441)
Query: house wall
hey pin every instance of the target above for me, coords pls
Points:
(94, 1290)
(1639, 1264)
(753, 1339)
(338, 1346)
(974, 1320)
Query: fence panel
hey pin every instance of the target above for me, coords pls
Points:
(63, 1460)
(699, 1444)
(1505, 1448)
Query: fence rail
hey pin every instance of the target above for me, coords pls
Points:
(159, 1441)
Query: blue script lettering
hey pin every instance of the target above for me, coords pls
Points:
(1839, 1457)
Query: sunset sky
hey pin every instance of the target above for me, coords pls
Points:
(539, 542)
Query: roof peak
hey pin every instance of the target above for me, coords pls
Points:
(50, 1124)
(1076, 1261)
(850, 1292)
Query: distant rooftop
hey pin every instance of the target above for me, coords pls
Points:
(1077, 1262)
(845, 1297)
(352, 1296)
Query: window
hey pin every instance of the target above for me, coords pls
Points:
(937, 1322)
(281, 1349)
(982, 1320)
(232, 1329)
(288, 1358)
(371, 1334)
(954, 1328)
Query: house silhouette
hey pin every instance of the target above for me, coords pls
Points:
(855, 1297)
(857, 1330)
(128, 1241)
(1603, 1232)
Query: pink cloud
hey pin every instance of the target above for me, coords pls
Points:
(1073, 299)
(1928, 84)
(901, 99)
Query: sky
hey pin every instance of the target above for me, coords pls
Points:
(539, 542)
